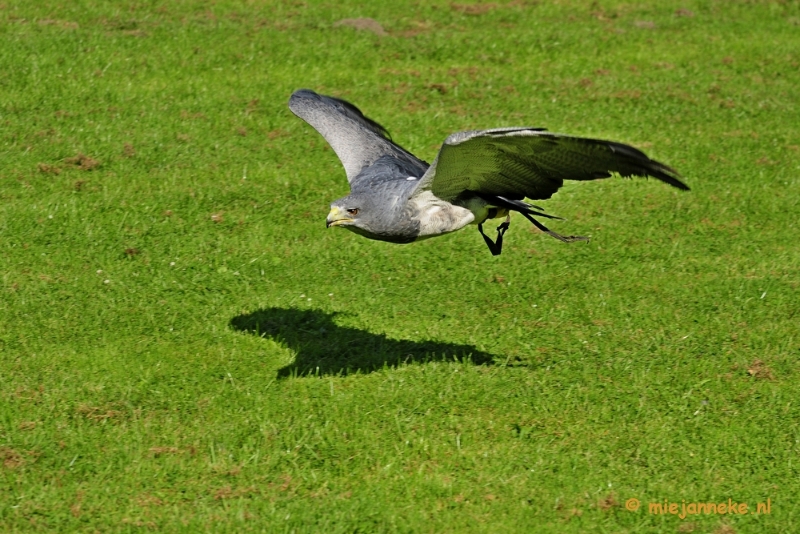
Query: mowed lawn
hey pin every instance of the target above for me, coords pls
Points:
(184, 347)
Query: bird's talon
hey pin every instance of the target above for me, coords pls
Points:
(495, 247)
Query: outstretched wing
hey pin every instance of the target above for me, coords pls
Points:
(516, 163)
(357, 140)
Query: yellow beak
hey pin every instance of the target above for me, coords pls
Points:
(337, 218)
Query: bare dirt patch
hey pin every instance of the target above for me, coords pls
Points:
(160, 451)
(473, 9)
(362, 24)
(97, 413)
(45, 168)
(82, 162)
(67, 25)
(607, 503)
(759, 369)
(11, 459)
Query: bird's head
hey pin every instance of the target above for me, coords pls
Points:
(351, 212)
(370, 216)
(344, 214)
(342, 217)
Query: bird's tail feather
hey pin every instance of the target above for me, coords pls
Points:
(520, 206)
(543, 228)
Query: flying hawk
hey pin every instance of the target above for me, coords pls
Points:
(477, 175)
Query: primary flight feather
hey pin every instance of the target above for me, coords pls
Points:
(477, 175)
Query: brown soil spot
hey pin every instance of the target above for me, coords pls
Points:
(362, 24)
(607, 503)
(159, 451)
(11, 458)
(758, 369)
(44, 168)
(82, 162)
(473, 9)
(96, 413)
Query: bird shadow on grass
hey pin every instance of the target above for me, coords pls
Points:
(322, 347)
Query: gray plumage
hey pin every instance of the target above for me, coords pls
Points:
(477, 175)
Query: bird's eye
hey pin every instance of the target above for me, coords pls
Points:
(352, 211)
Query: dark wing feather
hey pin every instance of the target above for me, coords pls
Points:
(524, 162)
(357, 140)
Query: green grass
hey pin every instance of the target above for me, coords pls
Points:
(185, 347)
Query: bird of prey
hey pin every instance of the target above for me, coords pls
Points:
(477, 175)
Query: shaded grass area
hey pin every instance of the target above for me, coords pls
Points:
(321, 346)
(184, 347)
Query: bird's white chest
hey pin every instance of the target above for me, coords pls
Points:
(437, 216)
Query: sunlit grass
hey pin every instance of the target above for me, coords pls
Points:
(185, 347)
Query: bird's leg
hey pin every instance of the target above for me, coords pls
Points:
(495, 247)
